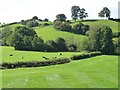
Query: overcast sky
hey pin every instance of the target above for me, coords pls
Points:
(16, 10)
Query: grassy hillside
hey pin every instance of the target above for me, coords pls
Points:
(49, 33)
(96, 72)
(112, 24)
(30, 55)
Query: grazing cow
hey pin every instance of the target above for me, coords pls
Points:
(55, 57)
(60, 53)
(11, 54)
(45, 57)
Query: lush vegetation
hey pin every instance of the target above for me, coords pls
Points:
(96, 72)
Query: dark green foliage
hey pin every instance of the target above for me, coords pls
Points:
(55, 46)
(23, 22)
(35, 18)
(57, 24)
(72, 48)
(51, 46)
(65, 27)
(46, 20)
(116, 34)
(21, 38)
(80, 28)
(32, 23)
(84, 56)
(61, 45)
(4, 35)
(61, 17)
(117, 46)
(85, 28)
(105, 12)
(77, 12)
(38, 44)
(100, 38)
(46, 24)
(34, 63)
(82, 14)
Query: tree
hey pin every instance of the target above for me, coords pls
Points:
(75, 10)
(35, 18)
(85, 28)
(65, 27)
(61, 44)
(78, 28)
(32, 23)
(82, 14)
(4, 35)
(38, 44)
(46, 20)
(105, 12)
(61, 17)
(22, 37)
(100, 38)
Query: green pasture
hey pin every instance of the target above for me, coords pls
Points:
(96, 72)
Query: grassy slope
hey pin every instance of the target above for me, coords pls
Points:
(49, 33)
(29, 55)
(96, 72)
(112, 24)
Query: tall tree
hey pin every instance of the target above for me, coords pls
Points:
(61, 17)
(82, 14)
(101, 39)
(105, 12)
(74, 11)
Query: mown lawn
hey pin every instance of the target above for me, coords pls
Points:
(96, 72)
(30, 55)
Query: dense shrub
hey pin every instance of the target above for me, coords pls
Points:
(32, 23)
(34, 63)
(65, 27)
(83, 56)
(117, 45)
(116, 34)
(46, 24)
(72, 48)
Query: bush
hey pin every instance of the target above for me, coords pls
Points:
(32, 23)
(65, 27)
(46, 24)
(116, 34)
(34, 63)
(84, 56)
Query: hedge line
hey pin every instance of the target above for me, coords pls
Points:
(6, 65)
(34, 63)
(84, 56)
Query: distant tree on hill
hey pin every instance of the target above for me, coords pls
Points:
(105, 12)
(61, 17)
(82, 14)
(75, 10)
(32, 23)
(35, 18)
(46, 20)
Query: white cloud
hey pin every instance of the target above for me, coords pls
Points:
(15, 10)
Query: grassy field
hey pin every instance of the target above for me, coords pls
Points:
(30, 55)
(49, 33)
(113, 24)
(96, 72)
